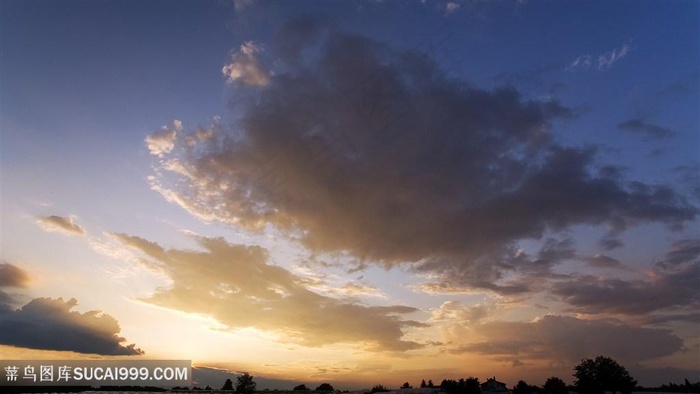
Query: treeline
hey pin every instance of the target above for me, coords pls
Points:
(593, 376)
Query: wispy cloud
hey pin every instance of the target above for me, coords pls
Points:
(451, 7)
(64, 225)
(649, 131)
(608, 59)
(583, 61)
(242, 4)
(604, 61)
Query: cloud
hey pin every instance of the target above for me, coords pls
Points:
(451, 7)
(568, 339)
(603, 261)
(12, 276)
(664, 290)
(583, 61)
(457, 312)
(46, 323)
(241, 4)
(374, 152)
(237, 286)
(608, 59)
(649, 131)
(610, 242)
(64, 225)
(682, 252)
(688, 85)
(605, 60)
(246, 67)
(163, 141)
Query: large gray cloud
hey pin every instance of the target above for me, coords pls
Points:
(358, 147)
(47, 323)
(237, 286)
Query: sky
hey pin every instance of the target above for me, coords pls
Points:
(353, 192)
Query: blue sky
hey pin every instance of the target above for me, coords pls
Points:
(456, 174)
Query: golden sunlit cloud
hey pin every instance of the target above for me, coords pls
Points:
(246, 67)
(237, 286)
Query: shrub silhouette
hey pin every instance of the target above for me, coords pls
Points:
(324, 387)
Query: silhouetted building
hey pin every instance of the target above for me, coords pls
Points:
(491, 385)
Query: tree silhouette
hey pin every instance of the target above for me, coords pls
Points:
(471, 385)
(228, 385)
(406, 386)
(423, 384)
(464, 386)
(324, 387)
(523, 388)
(449, 386)
(430, 384)
(300, 387)
(555, 385)
(602, 374)
(245, 384)
(379, 389)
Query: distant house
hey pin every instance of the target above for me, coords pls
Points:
(491, 385)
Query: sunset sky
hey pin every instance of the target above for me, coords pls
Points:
(354, 192)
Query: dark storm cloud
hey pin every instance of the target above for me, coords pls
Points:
(648, 130)
(49, 324)
(354, 146)
(237, 286)
(569, 339)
